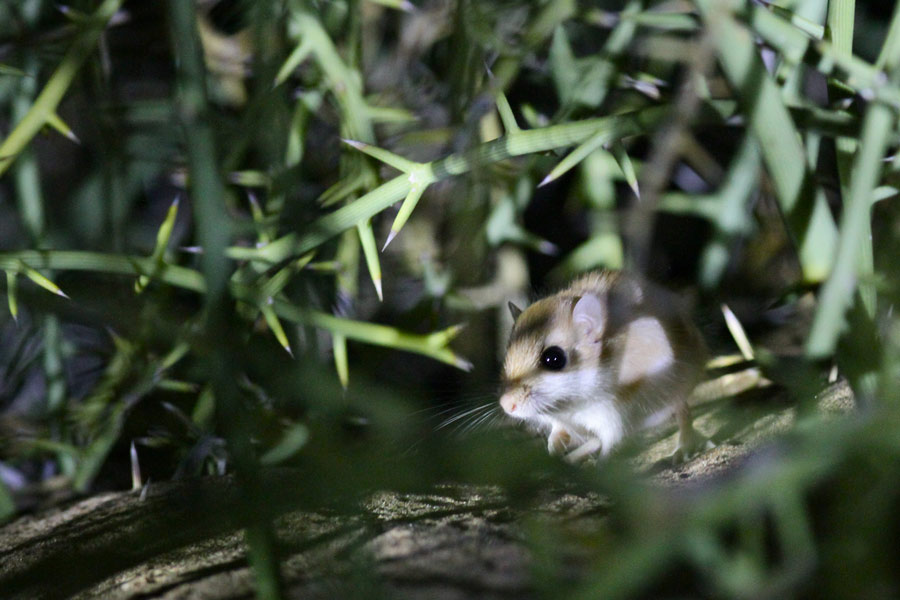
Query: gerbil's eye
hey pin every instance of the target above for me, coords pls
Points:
(553, 358)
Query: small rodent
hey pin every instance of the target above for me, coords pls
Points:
(600, 359)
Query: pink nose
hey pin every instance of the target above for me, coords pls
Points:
(508, 403)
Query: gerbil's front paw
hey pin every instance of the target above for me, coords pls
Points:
(583, 452)
(558, 441)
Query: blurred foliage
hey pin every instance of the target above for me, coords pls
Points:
(207, 191)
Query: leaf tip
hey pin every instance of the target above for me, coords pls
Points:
(378, 289)
(548, 248)
(463, 364)
(390, 238)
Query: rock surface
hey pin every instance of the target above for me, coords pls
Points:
(453, 542)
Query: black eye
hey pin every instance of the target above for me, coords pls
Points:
(553, 358)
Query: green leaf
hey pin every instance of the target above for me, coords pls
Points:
(275, 326)
(803, 205)
(370, 251)
(41, 280)
(12, 294)
(292, 441)
(44, 107)
(163, 235)
(339, 343)
(412, 198)
(59, 125)
(385, 156)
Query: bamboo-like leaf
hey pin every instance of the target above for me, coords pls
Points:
(204, 409)
(299, 54)
(293, 439)
(840, 28)
(506, 113)
(370, 251)
(404, 5)
(385, 156)
(562, 65)
(275, 326)
(520, 143)
(181, 277)
(47, 101)
(796, 47)
(41, 280)
(837, 293)
(248, 178)
(342, 189)
(54, 121)
(339, 343)
(803, 206)
(624, 161)
(378, 335)
(415, 193)
(180, 387)
(324, 266)
(385, 114)
(603, 249)
(12, 294)
(163, 235)
(737, 333)
(95, 454)
(575, 156)
(8, 70)
(813, 30)
(259, 219)
(729, 210)
(179, 351)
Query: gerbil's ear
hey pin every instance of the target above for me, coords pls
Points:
(589, 316)
(515, 311)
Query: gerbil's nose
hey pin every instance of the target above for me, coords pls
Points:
(508, 403)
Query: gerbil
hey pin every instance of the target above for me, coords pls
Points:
(600, 359)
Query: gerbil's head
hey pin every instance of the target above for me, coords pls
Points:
(553, 357)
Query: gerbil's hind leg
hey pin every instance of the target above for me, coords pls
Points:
(690, 441)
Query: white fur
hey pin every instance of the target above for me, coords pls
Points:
(576, 403)
(647, 351)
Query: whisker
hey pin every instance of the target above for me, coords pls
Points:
(472, 412)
